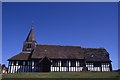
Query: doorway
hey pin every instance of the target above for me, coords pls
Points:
(45, 65)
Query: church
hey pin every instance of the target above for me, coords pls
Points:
(36, 57)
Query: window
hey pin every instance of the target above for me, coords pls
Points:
(80, 64)
(73, 63)
(10, 63)
(20, 63)
(29, 63)
(26, 63)
(36, 63)
(29, 46)
(14, 62)
(64, 63)
(55, 63)
(97, 65)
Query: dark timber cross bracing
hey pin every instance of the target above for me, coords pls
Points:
(36, 57)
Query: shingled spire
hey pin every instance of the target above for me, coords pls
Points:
(31, 36)
(30, 42)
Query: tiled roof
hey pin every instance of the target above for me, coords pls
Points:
(57, 52)
(20, 56)
(64, 52)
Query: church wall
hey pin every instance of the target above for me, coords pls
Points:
(78, 67)
(29, 66)
(16, 68)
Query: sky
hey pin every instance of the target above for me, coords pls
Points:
(85, 24)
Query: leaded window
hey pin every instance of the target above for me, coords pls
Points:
(14, 63)
(97, 65)
(64, 63)
(55, 63)
(80, 64)
(73, 63)
(26, 63)
(20, 63)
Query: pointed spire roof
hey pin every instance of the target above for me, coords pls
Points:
(31, 36)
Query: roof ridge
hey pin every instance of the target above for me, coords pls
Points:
(58, 45)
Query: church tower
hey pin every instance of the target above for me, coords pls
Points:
(30, 42)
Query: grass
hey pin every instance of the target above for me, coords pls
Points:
(64, 75)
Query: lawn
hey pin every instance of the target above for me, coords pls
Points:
(64, 75)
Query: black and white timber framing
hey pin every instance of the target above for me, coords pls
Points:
(55, 58)
(31, 66)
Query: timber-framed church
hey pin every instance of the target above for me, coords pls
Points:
(36, 57)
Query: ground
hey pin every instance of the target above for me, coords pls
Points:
(65, 75)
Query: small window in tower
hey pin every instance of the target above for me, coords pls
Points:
(29, 46)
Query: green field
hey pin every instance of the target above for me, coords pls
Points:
(64, 75)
